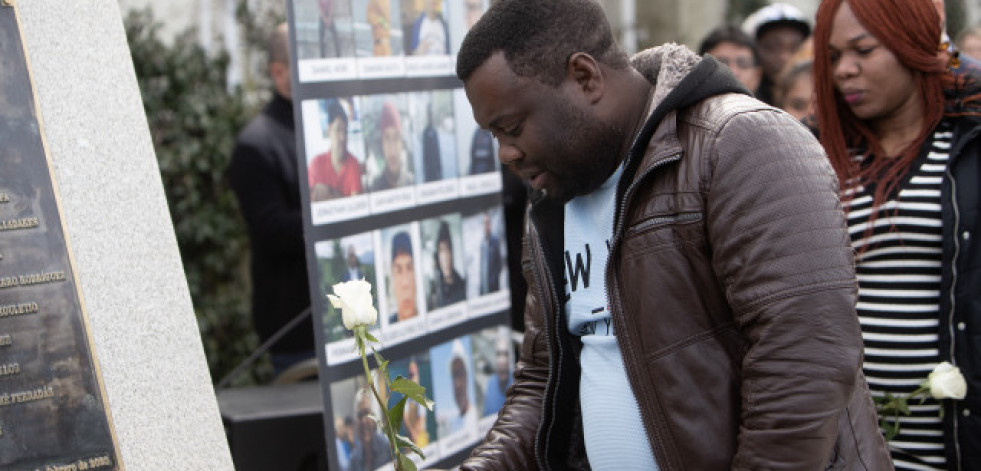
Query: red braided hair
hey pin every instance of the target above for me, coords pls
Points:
(911, 30)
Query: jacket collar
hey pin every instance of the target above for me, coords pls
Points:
(681, 79)
(280, 109)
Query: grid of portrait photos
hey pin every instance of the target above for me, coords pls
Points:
(404, 191)
(427, 277)
(466, 376)
(381, 153)
(339, 40)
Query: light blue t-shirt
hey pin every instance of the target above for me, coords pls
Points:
(615, 437)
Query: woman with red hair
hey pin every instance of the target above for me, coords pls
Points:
(902, 132)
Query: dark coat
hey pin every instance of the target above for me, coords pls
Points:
(960, 292)
(263, 173)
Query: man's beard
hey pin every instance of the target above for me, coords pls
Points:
(591, 151)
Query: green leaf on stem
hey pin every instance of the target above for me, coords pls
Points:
(889, 429)
(406, 442)
(406, 464)
(382, 364)
(395, 414)
(412, 390)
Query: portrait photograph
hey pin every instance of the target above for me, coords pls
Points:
(433, 138)
(426, 28)
(389, 162)
(324, 29)
(334, 148)
(453, 391)
(493, 359)
(340, 260)
(462, 16)
(477, 153)
(377, 30)
(401, 252)
(443, 264)
(418, 423)
(359, 443)
(486, 252)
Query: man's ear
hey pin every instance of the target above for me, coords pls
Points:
(586, 72)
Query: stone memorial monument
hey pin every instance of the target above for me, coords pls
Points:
(101, 363)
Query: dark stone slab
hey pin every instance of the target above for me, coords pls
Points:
(53, 412)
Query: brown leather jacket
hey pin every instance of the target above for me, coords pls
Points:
(732, 292)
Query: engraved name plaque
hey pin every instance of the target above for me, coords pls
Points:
(53, 409)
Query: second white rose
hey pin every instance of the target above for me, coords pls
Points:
(946, 382)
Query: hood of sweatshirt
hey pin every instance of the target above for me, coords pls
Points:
(681, 78)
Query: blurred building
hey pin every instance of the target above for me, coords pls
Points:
(637, 23)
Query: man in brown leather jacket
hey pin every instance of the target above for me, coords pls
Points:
(690, 284)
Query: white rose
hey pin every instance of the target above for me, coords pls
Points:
(946, 382)
(354, 300)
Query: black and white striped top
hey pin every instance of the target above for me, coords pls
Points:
(898, 268)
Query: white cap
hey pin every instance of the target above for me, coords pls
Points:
(776, 14)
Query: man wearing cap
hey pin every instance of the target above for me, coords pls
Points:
(403, 279)
(779, 30)
(394, 174)
(335, 173)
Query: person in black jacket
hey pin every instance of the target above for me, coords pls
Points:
(263, 174)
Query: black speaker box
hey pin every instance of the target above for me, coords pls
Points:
(276, 427)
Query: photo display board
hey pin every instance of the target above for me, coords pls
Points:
(404, 191)
(53, 413)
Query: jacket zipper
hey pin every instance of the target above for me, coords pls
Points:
(622, 206)
(953, 300)
(543, 277)
(538, 267)
(614, 247)
(960, 143)
(675, 218)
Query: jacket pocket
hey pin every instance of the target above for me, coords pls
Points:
(663, 220)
